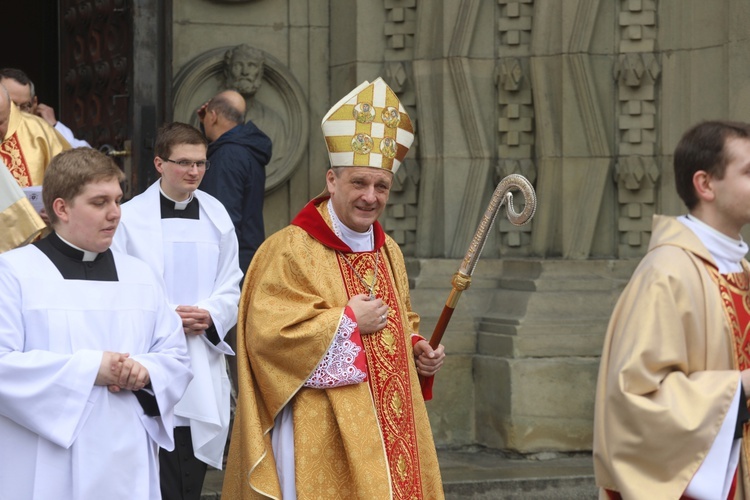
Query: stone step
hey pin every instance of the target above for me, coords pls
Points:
(553, 341)
(487, 475)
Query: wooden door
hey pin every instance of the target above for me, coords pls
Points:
(114, 80)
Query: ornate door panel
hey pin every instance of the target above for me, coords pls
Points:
(95, 65)
(98, 98)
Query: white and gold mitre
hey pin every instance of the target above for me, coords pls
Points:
(368, 128)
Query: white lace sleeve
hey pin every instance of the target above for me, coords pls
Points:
(337, 367)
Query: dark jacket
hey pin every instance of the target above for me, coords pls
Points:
(237, 178)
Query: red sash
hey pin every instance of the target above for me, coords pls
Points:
(12, 156)
(388, 375)
(735, 295)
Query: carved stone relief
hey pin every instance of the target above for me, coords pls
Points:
(515, 112)
(279, 106)
(574, 157)
(400, 220)
(479, 168)
(517, 126)
(637, 174)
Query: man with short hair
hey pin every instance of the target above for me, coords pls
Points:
(239, 153)
(27, 143)
(21, 90)
(92, 359)
(329, 354)
(188, 239)
(674, 379)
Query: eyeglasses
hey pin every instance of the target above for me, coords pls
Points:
(26, 106)
(188, 164)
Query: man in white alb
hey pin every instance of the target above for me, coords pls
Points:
(188, 238)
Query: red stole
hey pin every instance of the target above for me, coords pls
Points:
(735, 296)
(12, 156)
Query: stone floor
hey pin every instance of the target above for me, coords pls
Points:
(483, 475)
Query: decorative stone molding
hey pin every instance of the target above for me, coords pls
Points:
(201, 78)
(637, 173)
(400, 24)
(515, 111)
(428, 63)
(479, 167)
(401, 214)
(400, 220)
(574, 140)
(515, 22)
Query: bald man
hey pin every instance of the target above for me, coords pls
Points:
(239, 153)
(27, 142)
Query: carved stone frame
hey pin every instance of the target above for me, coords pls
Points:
(200, 79)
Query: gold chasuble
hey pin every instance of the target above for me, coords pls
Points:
(370, 440)
(669, 369)
(19, 222)
(29, 145)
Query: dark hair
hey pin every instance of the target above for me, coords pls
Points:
(71, 170)
(223, 107)
(176, 133)
(703, 147)
(19, 76)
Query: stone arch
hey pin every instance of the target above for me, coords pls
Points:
(202, 77)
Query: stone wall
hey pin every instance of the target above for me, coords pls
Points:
(586, 98)
(294, 35)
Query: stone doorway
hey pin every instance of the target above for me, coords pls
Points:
(104, 66)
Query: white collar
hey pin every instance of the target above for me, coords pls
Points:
(87, 256)
(359, 242)
(178, 205)
(727, 252)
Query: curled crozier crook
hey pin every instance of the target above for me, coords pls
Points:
(506, 187)
(503, 195)
(462, 279)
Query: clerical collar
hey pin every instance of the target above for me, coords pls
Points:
(178, 205)
(171, 209)
(69, 260)
(74, 251)
(727, 252)
(359, 242)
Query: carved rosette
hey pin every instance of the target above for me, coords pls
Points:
(637, 172)
(515, 110)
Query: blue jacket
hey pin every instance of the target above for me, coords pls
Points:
(237, 178)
